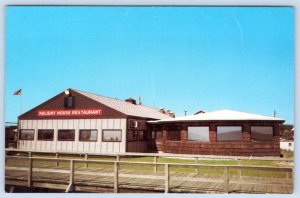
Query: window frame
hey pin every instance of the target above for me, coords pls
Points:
(230, 126)
(59, 139)
(273, 132)
(87, 140)
(111, 140)
(25, 138)
(206, 126)
(39, 139)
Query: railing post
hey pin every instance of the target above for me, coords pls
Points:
(72, 171)
(56, 156)
(71, 183)
(167, 178)
(116, 177)
(29, 172)
(86, 158)
(29, 154)
(287, 173)
(197, 168)
(239, 170)
(118, 158)
(226, 180)
(155, 165)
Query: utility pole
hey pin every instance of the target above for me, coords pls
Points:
(185, 112)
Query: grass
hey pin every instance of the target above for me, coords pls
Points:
(216, 171)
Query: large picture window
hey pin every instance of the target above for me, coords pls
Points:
(197, 133)
(88, 135)
(66, 135)
(111, 135)
(174, 135)
(27, 134)
(261, 133)
(229, 133)
(46, 134)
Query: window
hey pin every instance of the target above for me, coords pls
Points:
(132, 135)
(174, 135)
(143, 136)
(69, 102)
(200, 134)
(66, 135)
(261, 133)
(134, 124)
(45, 134)
(157, 135)
(229, 133)
(27, 134)
(88, 135)
(153, 135)
(111, 135)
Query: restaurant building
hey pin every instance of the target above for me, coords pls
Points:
(77, 121)
(222, 132)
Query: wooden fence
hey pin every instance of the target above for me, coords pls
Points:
(154, 155)
(116, 164)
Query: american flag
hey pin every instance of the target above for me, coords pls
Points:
(18, 92)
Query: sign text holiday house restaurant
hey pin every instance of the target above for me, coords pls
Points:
(77, 121)
(78, 112)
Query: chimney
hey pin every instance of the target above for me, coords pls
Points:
(171, 114)
(162, 110)
(131, 100)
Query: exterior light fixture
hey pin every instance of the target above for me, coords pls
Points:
(67, 92)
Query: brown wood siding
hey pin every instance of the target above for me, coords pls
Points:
(246, 147)
(138, 146)
(81, 102)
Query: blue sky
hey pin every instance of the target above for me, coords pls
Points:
(180, 58)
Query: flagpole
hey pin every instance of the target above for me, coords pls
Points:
(21, 103)
(19, 93)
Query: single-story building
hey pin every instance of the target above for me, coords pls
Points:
(78, 121)
(222, 132)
